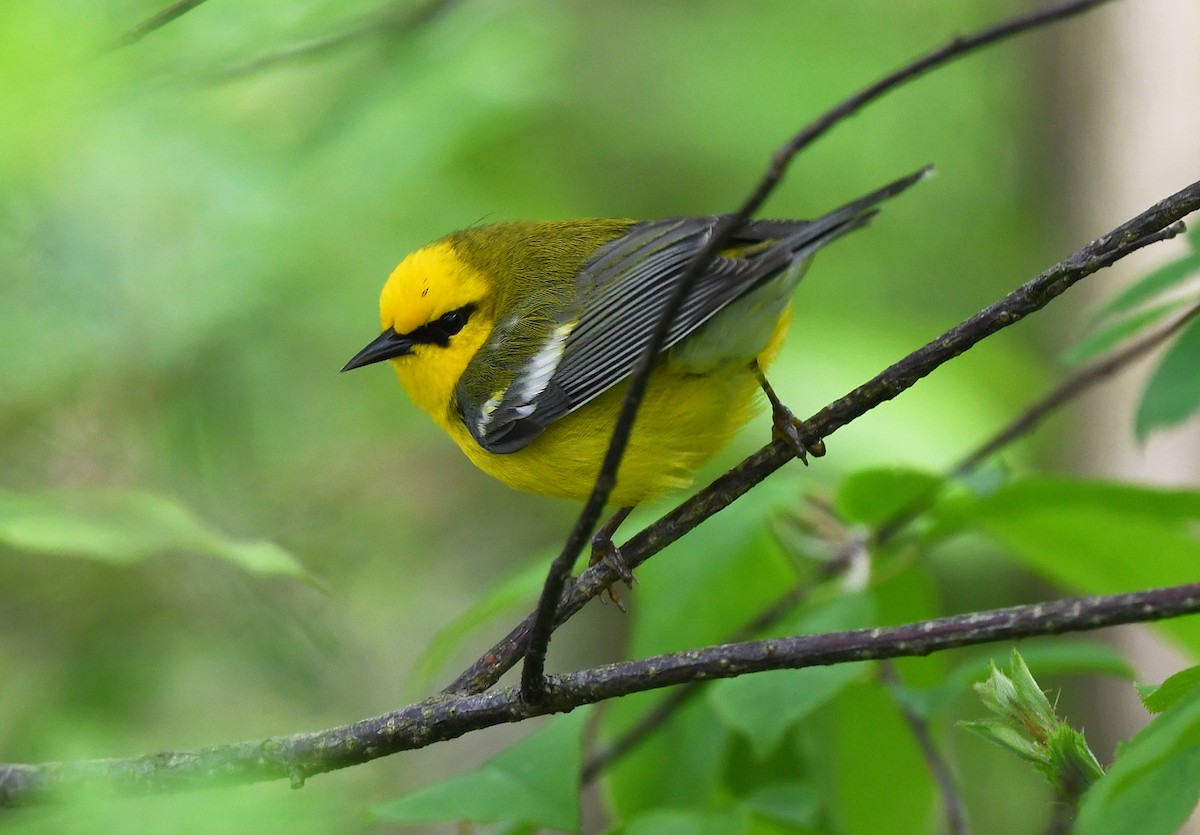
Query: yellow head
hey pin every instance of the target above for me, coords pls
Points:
(436, 311)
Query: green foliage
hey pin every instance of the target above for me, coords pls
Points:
(1155, 283)
(681, 765)
(871, 751)
(874, 496)
(1154, 784)
(1160, 697)
(535, 782)
(1173, 393)
(1087, 536)
(765, 708)
(1120, 330)
(124, 527)
(1058, 657)
(735, 821)
(507, 599)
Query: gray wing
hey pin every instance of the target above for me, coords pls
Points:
(594, 343)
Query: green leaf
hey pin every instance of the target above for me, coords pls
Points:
(1158, 698)
(512, 594)
(872, 496)
(1164, 278)
(733, 570)
(1091, 537)
(126, 526)
(1117, 331)
(678, 766)
(1173, 392)
(732, 821)
(875, 777)
(533, 782)
(764, 707)
(1155, 782)
(793, 804)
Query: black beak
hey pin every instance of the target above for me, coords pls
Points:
(385, 346)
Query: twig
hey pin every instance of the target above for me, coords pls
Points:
(156, 21)
(1160, 219)
(545, 620)
(300, 756)
(1074, 386)
(1029, 420)
(956, 810)
(633, 736)
(389, 21)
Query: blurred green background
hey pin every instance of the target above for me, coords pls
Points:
(191, 244)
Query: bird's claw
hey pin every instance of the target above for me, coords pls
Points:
(794, 432)
(606, 552)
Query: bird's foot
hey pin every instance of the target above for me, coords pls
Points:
(606, 552)
(795, 433)
(787, 427)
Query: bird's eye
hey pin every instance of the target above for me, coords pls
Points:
(439, 331)
(452, 322)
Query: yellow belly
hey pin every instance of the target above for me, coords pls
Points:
(682, 423)
(684, 420)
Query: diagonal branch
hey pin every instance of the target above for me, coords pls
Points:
(387, 21)
(300, 756)
(952, 802)
(545, 619)
(156, 21)
(1069, 389)
(1157, 222)
(1074, 386)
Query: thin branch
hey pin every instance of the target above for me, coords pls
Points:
(1162, 218)
(388, 21)
(300, 756)
(1074, 386)
(952, 802)
(545, 619)
(1029, 420)
(1157, 223)
(640, 731)
(156, 21)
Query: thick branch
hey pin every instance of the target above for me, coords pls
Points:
(440, 718)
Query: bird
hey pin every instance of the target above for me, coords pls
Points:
(518, 339)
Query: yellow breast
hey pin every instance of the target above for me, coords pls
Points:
(684, 420)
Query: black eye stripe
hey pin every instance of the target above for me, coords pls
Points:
(439, 331)
(454, 321)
